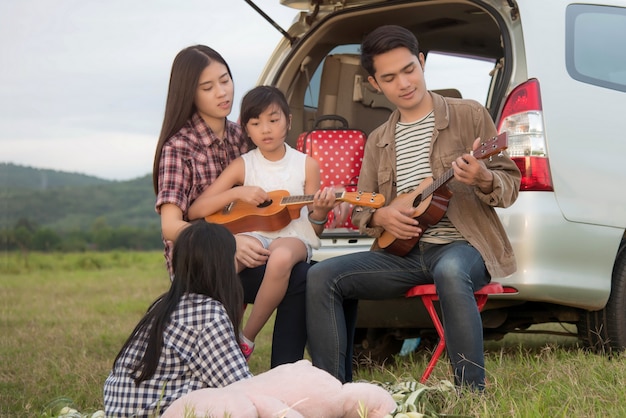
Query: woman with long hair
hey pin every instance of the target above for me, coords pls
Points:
(197, 142)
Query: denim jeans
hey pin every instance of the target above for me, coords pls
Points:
(456, 269)
(289, 336)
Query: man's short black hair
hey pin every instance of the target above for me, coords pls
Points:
(384, 39)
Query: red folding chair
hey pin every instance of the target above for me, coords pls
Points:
(428, 293)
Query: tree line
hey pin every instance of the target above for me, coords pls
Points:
(26, 235)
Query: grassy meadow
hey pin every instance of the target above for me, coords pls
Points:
(65, 316)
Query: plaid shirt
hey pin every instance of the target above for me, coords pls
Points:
(199, 351)
(190, 161)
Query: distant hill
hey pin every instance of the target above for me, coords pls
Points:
(21, 177)
(68, 201)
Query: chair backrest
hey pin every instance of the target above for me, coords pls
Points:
(345, 91)
(339, 152)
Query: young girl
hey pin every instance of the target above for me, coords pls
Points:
(188, 338)
(273, 165)
(196, 143)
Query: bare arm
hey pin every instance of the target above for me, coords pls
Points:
(226, 189)
(323, 199)
(249, 252)
(172, 221)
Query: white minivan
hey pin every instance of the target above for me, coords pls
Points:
(553, 75)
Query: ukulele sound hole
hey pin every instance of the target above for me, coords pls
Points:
(265, 204)
(417, 200)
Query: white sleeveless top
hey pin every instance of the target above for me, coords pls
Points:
(289, 174)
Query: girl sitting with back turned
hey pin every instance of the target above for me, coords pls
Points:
(188, 339)
(273, 165)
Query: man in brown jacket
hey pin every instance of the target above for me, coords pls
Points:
(426, 136)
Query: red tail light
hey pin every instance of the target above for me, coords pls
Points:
(522, 119)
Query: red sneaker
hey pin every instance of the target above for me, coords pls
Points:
(246, 349)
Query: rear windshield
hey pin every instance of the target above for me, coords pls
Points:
(468, 74)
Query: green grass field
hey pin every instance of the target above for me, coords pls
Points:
(65, 316)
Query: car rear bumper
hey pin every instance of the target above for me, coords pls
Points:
(558, 261)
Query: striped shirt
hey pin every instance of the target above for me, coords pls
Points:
(199, 351)
(190, 161)
(413, 166)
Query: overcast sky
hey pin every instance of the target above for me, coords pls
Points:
(83, 82)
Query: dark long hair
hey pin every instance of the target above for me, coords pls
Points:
(179, 106)
(204, 263)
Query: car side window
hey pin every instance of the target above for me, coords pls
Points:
(595, 45)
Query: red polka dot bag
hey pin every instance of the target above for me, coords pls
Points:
(339, 152)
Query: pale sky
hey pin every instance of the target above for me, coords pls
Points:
(83, 82)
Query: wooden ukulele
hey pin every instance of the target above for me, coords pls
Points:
(430, 199)
(279, 210)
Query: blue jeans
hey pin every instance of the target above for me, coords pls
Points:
(456, 269)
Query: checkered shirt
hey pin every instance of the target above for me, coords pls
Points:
(199, 351)
(190, 161)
